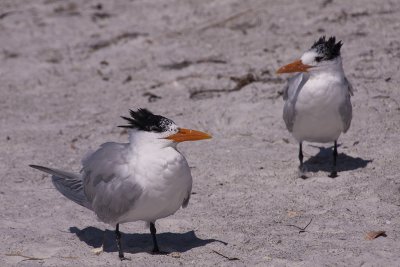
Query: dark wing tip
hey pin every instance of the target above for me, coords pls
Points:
(40, 168)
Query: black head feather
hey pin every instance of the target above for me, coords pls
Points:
(144, 120)
(327, 49)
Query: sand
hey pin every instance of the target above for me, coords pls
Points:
(69, 69)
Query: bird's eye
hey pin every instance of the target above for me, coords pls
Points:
(318, 59)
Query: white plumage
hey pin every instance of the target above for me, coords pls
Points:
(146, 179)
(317, 100)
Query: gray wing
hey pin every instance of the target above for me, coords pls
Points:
(187, 198)
(68, 184)
(290, 93)
(349, 87)
(108, 183)
(345, 109)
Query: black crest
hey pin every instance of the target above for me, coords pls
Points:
(144, 120)
(327, 49)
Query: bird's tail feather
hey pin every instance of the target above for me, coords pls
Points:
(68, 184)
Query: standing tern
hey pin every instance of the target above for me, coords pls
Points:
(318, 107)
(146, 179)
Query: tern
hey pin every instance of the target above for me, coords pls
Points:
(146, 179)
(317, 99)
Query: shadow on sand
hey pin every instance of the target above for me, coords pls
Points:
(322, 161)
(136, 243)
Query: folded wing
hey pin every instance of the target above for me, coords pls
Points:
(290, 94)
(109, 184)
(345, 109)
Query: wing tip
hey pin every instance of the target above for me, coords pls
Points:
(35, 166)
(40, 168)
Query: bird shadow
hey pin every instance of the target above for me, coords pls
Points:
(137, 242)
(322, 161)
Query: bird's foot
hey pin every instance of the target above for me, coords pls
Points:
(302, 172)
(333, 174)
(123, 258)
(156, 251)
(98, 251)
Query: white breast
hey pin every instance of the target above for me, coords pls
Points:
(317, 117)
(166, 181)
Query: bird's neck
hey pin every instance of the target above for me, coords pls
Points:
(145, 142)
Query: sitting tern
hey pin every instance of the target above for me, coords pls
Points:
(318, 107)
(146, 179)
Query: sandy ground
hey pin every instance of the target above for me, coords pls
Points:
(69, 69)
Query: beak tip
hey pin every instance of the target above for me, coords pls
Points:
(207, 136)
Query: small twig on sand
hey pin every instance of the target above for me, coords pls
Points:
(240, 83)
(186, 63)
(226, 20)
(27, 258)
(302, 230)
(124, 36)
(226, 257)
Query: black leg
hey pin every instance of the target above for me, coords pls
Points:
(335, 154)
(302, 169)
(301, 154)
(118, 236)
(153, 232)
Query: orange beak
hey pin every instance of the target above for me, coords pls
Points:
(295, 66)
(188, 135)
